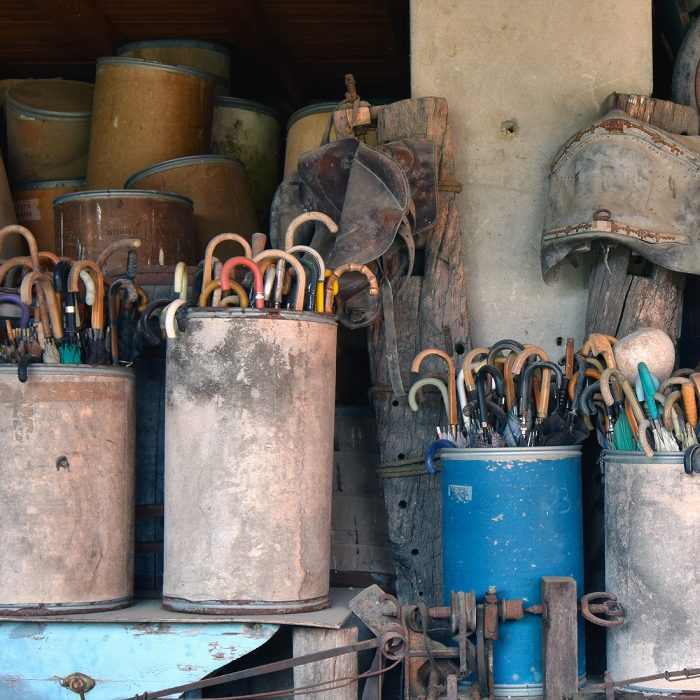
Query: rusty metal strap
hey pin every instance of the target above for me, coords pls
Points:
(284, 665)
(669, 676)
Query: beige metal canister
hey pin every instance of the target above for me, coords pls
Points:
(87, 222)
(218, 188)
(67, 496)
(248, 461)
(251, 133)
(200, 55)
(48, 129)
(34, 207)
(145, 112)
(306, 130)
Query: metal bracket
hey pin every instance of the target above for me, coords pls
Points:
(79, 683)
(608, 606)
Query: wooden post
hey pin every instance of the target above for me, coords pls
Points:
(431, 312)
(307, 640)
(559, 637)
(620, 301)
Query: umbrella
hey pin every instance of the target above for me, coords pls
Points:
(620, 434)
(207, 275)
(542, 404)
(452, 415)
(663, 439)
(122, 325)
(632, 412)
(69, 349)
(486, 435)
(51, 326)
(95, 351)
(148, 326)
(429, 381)
(432, 450)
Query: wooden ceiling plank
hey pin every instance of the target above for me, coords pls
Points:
(85, 23)
(252, 35)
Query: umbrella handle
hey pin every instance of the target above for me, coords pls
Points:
(644, 438)
(211, 246)
(336, 274)
(468, 361)
(451, 379)
(23, 308)
(689, 403)
(506, 344)
(234, 262)
(647, 383)
(600, 345)
(320, 265)
(112, 248)
(295, 223)
(430, 453)
(298, 268)
(169, 317)
(669, 402)
(180, 281)
(28, 237)
(258, 241)
(428, 381)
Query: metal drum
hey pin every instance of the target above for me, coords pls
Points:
(87, 222)
(511, 516)
(48, 129)
(12, 245)
(34, 207)
(218, 188)
(67, 497)
(145, 112)
(306, 129)
(251, 133)
(200, 55)
(249, 462)
(652, 564)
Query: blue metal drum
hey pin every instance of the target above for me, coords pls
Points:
(511, 516)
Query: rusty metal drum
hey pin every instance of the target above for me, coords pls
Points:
(67, 497)
(218, 187)
(251, 133)
(34, 207)
(143, 113)
(652, 564)
(87, 222)
(48, 129)
(200, 55)
(248, 462)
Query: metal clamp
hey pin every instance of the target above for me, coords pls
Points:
(606, 605)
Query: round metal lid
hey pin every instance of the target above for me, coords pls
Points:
(247, 105)
(154, 65)
(183, 162)
(122, 194)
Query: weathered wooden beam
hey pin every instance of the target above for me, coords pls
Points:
(620, 300)
(308, 640)
(84, 22)
(246, 23)
(431, 312)
(664, 114)
(559, 638)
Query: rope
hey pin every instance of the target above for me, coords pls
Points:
(403, 467)
(450, 186)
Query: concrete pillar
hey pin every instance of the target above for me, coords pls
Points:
(520, 78)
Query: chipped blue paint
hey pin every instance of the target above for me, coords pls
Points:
(521, 521)
(123, 658)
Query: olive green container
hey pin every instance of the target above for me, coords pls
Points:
(251, 133)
